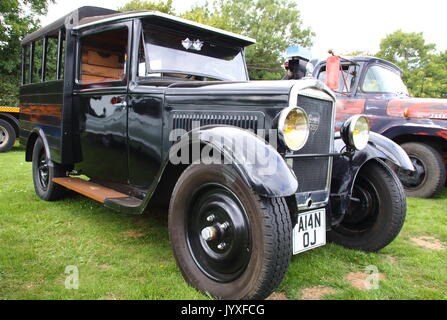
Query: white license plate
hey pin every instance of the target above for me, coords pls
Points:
(310, 231)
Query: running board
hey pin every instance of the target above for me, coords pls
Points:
(109, 197)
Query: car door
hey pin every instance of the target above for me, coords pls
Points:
(100, 96)
(371, 90)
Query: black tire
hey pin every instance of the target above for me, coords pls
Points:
(376, 213)
(43, 174)
(430, 176)
(7, 136)
(259, 247)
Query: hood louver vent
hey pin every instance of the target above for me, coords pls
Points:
(251, 121)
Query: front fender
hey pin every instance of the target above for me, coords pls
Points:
(346, 167)
(386, 149)
(257, 162)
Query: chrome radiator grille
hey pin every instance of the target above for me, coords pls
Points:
(312, 172)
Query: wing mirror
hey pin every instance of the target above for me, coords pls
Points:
(333, 72)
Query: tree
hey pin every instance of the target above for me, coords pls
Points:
(139, 5)
(435, 77)
(275, 24)
(17, 19)
(418, 60)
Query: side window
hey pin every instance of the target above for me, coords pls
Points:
(51, 67)
(60, 72)
(348, 74)
(37, 66)
(103, 56)
(43, 59)
(25, 64)
(372, 80)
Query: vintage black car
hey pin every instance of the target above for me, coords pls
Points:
(142, 106)
(373, 87)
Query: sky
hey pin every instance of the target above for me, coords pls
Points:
(343, 25)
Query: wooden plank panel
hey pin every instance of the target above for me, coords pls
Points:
(88, 78)
(89, 189)
(100, 71)
(102, 58)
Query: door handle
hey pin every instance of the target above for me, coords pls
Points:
(118, 102)
(121, 105)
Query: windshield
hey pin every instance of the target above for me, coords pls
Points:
(190, 56)
(379, 79)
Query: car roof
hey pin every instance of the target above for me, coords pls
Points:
(70, 19)
(85, 17)
(363, 59)
(371, 59)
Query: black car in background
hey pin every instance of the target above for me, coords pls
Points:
(144, 106)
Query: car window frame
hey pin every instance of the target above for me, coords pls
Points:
(355, 86)
(140, 31)
(381, 65)
(100, 29)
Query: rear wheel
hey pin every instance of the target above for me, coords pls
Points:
(228, 241)
(376, 213)
(7, 136)
(429, 176)
(43, 174)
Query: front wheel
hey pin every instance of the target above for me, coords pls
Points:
(377, 210)
(228, 241)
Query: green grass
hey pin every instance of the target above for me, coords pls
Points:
(129, 257)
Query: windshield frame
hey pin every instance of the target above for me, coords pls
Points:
(152, 74)
(387, 68)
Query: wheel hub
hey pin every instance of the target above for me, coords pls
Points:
(209, 233)
(364, 207)
(44, 171)
(218, 233)
(3, 135)
(412, 179)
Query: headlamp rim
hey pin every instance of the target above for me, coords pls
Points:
(281, 122)
(347, 130)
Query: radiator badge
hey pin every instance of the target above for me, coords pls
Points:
(314, 122)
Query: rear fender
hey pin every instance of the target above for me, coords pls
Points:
(34, 135)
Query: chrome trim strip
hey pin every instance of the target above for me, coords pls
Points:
(168, 17)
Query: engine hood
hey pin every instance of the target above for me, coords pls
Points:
(230, 87)
(418, 108)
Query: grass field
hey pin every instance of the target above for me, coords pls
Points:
(129, 257)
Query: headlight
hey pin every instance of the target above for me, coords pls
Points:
(355, 132)
(293, 128)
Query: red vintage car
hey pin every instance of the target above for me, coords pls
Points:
(373, 86)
